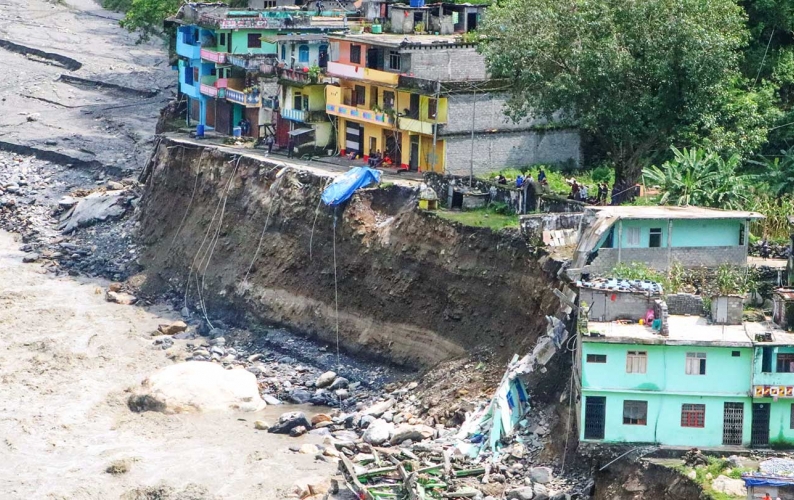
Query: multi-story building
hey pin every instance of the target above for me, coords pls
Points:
(229, 60)
(681, 380)
(426, 102)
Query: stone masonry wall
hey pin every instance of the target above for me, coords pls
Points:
(657, 258)
(444, 64)
(534, 225)
(685, 304)
(488, 114)
(493, 152)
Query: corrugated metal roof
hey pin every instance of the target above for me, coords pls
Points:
(669, 212)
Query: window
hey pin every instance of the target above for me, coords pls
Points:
(195, 74)
(636, 361)
(297, 100)
(303, 54)
(284, 52)
(766, 360)
(693, 415)
(373, 97)
(355, 54)
(655, 240)
(394, 60)
(388, 100)
(254, 41)
(361, 95)
(596, 358)
(736, 354)
(223, 39)
(432, 109)
(785, 363)
(696, 363)
(214, 72)
(635, 412)
(633, 236)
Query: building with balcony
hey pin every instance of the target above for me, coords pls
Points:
(679, 380)
(440, 103)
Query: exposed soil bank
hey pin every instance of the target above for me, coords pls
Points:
(630, 480)
(412, 288)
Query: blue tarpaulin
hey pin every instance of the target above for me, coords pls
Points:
(767, 481)
(345, 185)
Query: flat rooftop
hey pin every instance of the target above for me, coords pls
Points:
(688, 330)
(403, 40)
(669, 212)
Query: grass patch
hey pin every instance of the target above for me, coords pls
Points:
(558, 180)
(716, 467)
(485, 217)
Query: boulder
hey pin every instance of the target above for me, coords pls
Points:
(524, 493)
(325, 379)
(541, 492)
(379, 408)
(96, 207)
(172, 328)
(339, 383)
(261, 425)
(540, 475)
(378, 432)
(417, 432)
(289, 421)
(271, 400)
(30, 257)
(297, 431)
(195, 386)
(299, 396)
(320, 417)
(121, 298)
(730, 487)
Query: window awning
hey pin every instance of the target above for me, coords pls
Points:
(300, 131)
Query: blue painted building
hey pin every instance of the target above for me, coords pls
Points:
(192, 70)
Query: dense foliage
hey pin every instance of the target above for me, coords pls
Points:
(636, 75)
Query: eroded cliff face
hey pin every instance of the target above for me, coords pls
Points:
(640, 480)
(412, 288)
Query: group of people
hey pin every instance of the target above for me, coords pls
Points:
(245, 127)
(581, 192)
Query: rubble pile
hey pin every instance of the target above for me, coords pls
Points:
(47, 203)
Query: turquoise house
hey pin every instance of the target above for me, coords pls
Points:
(662, 236)
(682, 381)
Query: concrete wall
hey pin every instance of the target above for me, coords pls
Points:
(772, 378)
(686, 233)
(534, 225)
(493, 152)
(727, 310)
(662, 258)
(727, 378)
(444, 63)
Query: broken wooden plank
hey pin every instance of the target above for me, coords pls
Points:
(470, 472)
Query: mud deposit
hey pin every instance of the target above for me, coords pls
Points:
(66, 359)
(413, 288)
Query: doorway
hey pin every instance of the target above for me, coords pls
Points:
(759, 437)
(413, 164)
(471, 21)
(392, 148)
(322, 60)
(373, 146)
(732, 423)
(594, 417)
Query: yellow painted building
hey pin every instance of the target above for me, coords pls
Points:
(375, 115)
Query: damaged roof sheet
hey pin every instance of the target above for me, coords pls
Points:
(670, 212)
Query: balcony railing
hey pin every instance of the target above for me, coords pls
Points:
(213, 56)
(297, 76)
(305, 116)
(417, 126)
(269, 103)
(357, 73)
(209, 90)
(247, 99)
(251, 62)
(363, 115)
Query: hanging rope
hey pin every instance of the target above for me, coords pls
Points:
(273, 190)
(336, 296)
(316, 213)
(190, 204)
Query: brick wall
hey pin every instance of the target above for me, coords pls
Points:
(445, 64)
(488, 114)
(627, 305)
(657, 258)
(493, 152)
(685, 304)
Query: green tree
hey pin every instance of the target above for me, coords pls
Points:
(633, 74)
(146, 16)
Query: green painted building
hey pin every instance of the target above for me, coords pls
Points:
(701, 384)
